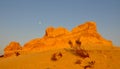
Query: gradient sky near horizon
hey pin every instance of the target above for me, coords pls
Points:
(23, 20)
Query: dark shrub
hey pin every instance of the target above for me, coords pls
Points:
(78, 42)
(56, 56)
(17, 53)
(78, 50)
(70, 43)
(82, 53)
(90, 64)
(78, 62)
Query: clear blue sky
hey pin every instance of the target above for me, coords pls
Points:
(19, 19)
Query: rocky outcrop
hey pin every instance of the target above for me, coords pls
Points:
(88, 35)
(52, 38)
(59, 38)
(56, 38)
(87, 26)
(55, 32)
(12, 49)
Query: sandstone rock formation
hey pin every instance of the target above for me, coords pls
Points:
(56, 38)
(52, 32)
(12, 49)
(53, 38)
(88, 35)
(59, 37)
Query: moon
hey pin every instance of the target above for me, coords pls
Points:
(40, 22)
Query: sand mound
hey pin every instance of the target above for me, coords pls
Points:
(99, 59)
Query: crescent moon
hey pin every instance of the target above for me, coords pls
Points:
(40, 22)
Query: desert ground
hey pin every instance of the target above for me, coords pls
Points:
(103, 59)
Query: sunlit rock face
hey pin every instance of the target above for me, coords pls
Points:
(56, 32)
(53, 38)
(56, 38)
(59, 37)
(12, 49)
(88, 35)
(87, 26)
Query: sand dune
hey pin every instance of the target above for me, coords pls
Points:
(104, 59)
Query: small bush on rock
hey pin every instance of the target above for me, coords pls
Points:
(90, 64)
(56, 56)
(78, 62)
(78, 50)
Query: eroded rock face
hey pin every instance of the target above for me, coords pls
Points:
(87, 26)
(59, 37)
(12, 49)
(56, 32)
(56, 38)
(88, 35)
(35, 44)
(52, 39)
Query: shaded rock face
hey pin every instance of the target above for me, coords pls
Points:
(60, 37)
(12, 49)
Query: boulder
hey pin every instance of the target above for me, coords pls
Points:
(12, 49)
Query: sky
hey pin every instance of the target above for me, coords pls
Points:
(24, 20)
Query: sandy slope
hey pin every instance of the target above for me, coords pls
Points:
(104, 59)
